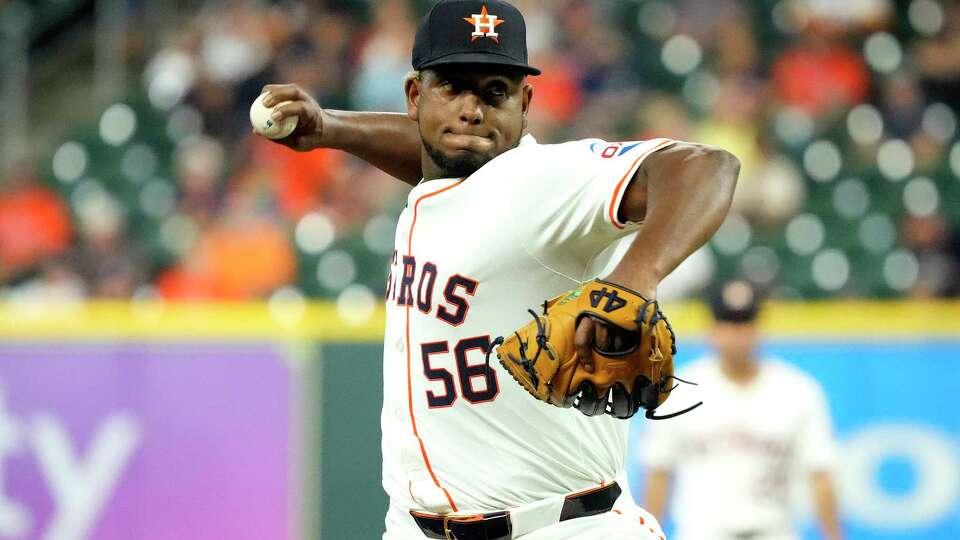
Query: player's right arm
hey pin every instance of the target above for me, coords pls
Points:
(388, 141)
(658, 488)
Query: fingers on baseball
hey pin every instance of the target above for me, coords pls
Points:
(279, 93)
(292, 108)
(583, 342)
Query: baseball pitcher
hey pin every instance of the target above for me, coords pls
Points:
(509, 365)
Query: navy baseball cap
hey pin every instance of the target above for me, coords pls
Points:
(735, 301)
(472, 32)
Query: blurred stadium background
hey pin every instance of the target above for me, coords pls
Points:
(188, 313)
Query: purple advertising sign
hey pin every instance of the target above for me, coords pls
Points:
(144, 441)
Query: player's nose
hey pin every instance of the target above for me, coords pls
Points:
(471, 108)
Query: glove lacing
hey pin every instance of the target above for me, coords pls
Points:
(526, 362)
(651, 413)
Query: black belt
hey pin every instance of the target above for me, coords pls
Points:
(496, 525)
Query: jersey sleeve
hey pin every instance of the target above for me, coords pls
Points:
(815, 445)
(574, 201)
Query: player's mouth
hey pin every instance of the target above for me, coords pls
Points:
(467, 141)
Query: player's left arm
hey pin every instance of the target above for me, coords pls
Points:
(825, 502)
(681, 194)
(816, 453)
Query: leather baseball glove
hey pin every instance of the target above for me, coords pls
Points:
(634, 369)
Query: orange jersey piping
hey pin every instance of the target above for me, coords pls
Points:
(413, 419)
(616, 192)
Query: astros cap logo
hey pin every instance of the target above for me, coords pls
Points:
(442, 38)
(484, 25)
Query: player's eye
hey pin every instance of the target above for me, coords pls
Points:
(496, 92)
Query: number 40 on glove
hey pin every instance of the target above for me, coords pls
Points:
(635, 371)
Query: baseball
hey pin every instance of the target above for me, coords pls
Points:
(265, 125)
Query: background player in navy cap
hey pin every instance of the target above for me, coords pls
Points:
(496, 224)
(765, 426)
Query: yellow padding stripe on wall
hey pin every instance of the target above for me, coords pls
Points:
(242, 320)
(322, 321)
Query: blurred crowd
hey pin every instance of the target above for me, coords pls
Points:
(842, 113)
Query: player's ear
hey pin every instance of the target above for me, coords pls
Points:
(527, 98)
(411, 87)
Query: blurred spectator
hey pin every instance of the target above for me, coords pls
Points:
(173, 70)
(903, 105)
(938, 259)
(542, 32)
(598, 50)
(331, 35)
(385, 58)
(34, 223)
(736, 45)
(235, 45)
(820, 75)
(664, 116)
(733, 120)
(558, 95)
(848, 15)
(241, 255)
(302, 180)
(56, 283)
(706, 20)
(938, 57)
(110, 264)
(772, 190)
(199, 167)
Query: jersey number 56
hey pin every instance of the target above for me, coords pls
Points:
(478, 381)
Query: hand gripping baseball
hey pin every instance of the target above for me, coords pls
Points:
(290, 100)
(633, 369)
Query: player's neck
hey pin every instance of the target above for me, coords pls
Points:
(741, 371)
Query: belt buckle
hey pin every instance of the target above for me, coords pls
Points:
(447, 533)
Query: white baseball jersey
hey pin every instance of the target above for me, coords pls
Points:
(734, 458)
(472, 255)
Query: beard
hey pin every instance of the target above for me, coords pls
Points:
(460, 166)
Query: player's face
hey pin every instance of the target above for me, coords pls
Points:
(468, 114)
(735, 342)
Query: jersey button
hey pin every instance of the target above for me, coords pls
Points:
(400, 345)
